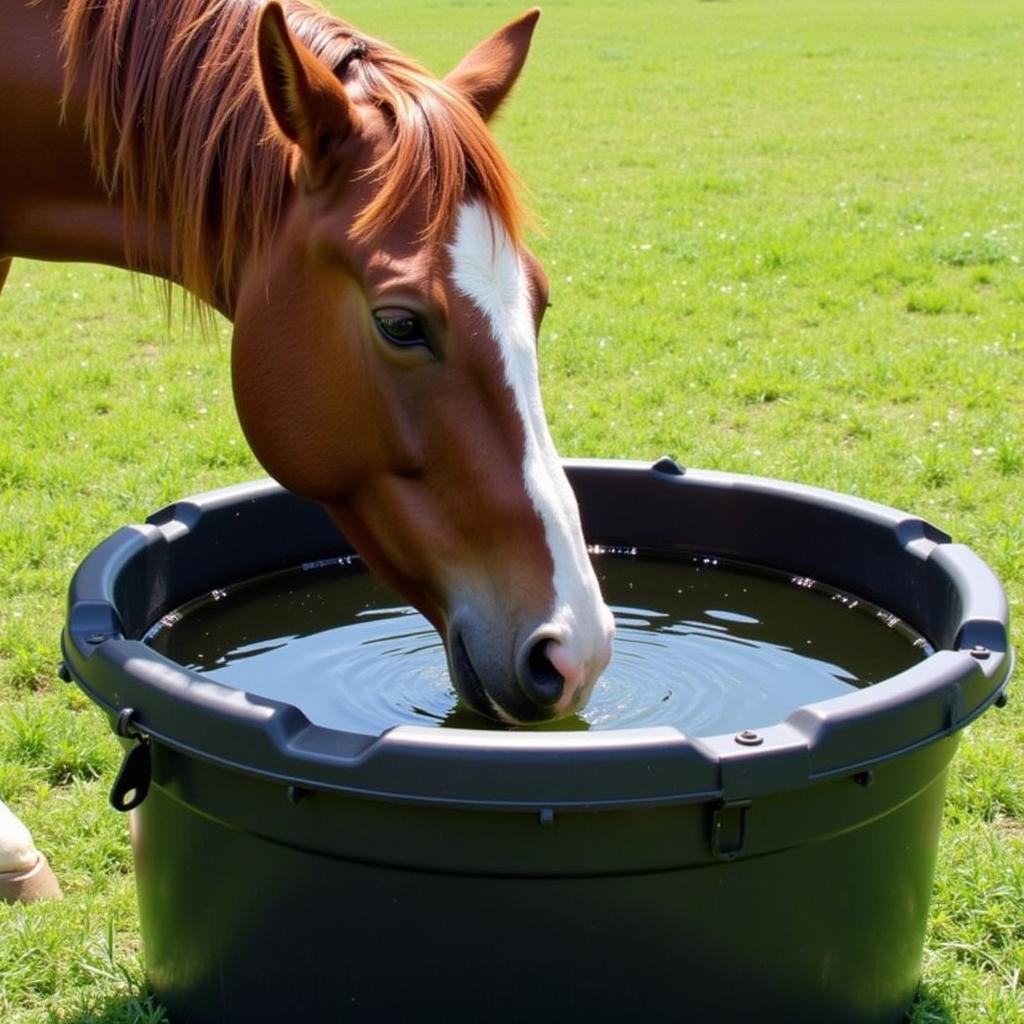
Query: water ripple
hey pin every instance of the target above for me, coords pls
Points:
(700, 645)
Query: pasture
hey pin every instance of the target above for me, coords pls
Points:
(783, 238)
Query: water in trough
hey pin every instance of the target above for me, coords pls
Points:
(702, 644)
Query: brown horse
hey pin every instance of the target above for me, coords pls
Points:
(354, 218)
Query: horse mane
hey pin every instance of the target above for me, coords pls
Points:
(178, 129)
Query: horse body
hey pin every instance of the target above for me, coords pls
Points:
(354, 219)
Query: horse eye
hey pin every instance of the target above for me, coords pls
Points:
(400, 327)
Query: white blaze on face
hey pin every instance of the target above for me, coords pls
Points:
(488, 270)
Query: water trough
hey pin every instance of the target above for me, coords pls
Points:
(291, 871)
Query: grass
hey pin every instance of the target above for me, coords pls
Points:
(783, 238)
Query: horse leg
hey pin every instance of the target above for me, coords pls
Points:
(24, 873)
(17, 851)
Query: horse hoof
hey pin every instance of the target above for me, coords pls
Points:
(35, 883)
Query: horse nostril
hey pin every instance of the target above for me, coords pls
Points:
(540, 680)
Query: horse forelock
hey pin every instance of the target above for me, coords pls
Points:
(179, 132)
(440, 149)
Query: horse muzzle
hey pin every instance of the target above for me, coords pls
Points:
(543, 673)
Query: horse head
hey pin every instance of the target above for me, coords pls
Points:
(384, 361)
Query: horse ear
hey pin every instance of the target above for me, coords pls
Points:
(487, 73)
(307, 102)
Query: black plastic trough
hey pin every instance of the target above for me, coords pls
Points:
(288, 872)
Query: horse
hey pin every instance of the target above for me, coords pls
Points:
(355, 220)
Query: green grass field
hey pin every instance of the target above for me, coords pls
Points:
(784, 238)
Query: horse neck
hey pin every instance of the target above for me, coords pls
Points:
(53, 204)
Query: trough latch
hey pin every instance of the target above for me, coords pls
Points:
(729, 828)
(132, 783)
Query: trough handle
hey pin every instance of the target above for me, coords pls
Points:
(132, 783)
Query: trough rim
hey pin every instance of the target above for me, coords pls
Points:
(613, 769)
